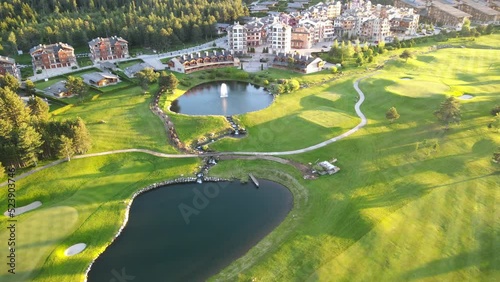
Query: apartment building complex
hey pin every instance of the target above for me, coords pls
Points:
(237, 38)
(8, 65)
(109, 48)
(323, 22)
(453, 13)
(280, 37)
(52, 56)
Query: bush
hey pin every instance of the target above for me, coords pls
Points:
(185, 82)
(495, 110)
(242, 75)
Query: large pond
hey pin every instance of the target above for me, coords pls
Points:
(219, 222)
(222, 98)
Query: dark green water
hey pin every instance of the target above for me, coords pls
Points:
(159, 245)
(204, 99)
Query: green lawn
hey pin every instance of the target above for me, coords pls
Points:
(299, 119)
(121, 120)
(89, 208)
(394, 213)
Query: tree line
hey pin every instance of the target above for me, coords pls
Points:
(152, 23)
(28, 136)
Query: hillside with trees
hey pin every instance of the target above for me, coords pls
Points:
(157, 24)
(27, 135)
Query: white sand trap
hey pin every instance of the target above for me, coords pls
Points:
(466, 97)
(27, 208)
(406, 78)
(75, 249)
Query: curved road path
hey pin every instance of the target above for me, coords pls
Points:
(163, 155)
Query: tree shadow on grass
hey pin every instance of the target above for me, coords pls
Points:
(485, 259)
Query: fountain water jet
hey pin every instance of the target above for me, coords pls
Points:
(223, 90)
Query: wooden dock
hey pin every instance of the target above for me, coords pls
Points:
(255, 181)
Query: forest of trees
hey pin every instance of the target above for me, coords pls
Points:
(151, 23)
(27, 135)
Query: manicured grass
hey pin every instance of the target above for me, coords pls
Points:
(394, 213)
(298, 119)
(83, 201)
(121, 120)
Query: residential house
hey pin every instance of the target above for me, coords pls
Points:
(109, 48)
(298, 63)
(57, 89)
(100, 79)
(134, 69)
(203, 61)
(52, 56)
(8, 65)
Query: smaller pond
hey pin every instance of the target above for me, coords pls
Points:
(224, 98)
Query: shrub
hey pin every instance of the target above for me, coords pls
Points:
(495, 110)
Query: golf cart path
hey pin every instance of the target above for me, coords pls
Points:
(262, 154)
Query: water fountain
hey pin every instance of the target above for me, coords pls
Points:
(223, 90)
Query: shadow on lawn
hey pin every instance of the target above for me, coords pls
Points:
(486, 259)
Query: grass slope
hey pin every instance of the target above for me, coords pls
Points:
(128, 121)
(83, 201)
(395, 213)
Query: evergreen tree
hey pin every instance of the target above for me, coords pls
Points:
(39, 109)
(29, 87)
(13, 113)
(81, 136)
(8, 80)
(66, 148)
(392, 114)
(449, 111)
(29, 142)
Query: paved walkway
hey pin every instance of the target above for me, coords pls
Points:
(163, 155)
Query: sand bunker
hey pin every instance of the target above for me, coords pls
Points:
(75, 249)
(466, 97)
(406, 78)
(27, 208)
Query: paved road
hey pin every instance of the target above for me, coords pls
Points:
(163, 155)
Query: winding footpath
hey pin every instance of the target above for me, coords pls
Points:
(357, 108)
